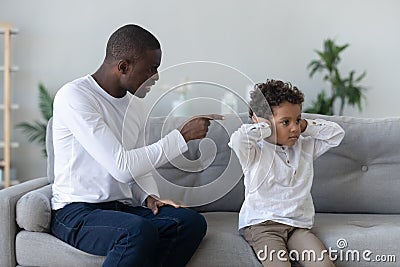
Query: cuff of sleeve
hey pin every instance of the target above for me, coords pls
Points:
(182, 145)
(147, 193)
(262, 129)
(313, 127)
(148, 186)
(143, 200)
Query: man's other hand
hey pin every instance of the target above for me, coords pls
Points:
(154, 203)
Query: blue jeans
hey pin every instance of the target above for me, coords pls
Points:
(131, 236)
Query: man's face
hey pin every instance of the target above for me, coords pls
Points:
(142, 73)
(287, 118)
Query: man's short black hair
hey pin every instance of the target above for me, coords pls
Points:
(272, 93)
(129, 42)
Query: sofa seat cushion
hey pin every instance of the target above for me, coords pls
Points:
(33, 211)
(222, 245)
(360, 233)
(45, 250)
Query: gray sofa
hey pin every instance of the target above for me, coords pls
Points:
(356, 194)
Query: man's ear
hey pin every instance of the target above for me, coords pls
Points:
(123, 66)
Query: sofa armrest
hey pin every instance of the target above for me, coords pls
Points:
(8, 226)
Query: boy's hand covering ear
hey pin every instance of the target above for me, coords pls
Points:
(257, 119)
(265, 126)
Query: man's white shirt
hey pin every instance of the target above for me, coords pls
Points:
(98, 155)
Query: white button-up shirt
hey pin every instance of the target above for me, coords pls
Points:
(278, 179)
(99, 148)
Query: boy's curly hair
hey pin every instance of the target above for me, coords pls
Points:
(272, 93)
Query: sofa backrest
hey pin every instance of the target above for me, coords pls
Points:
(210, 179)
(207, 177)
(50, 150)
(361, 175)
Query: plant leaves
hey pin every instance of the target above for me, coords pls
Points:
(321, 105)
(343, 88)
(36, 131)
(45, 102)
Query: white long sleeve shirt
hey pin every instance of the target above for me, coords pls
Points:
(98, 155)
(278, 179)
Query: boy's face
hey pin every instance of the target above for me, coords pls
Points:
(286, 118)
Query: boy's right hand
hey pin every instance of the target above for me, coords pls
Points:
(257, 119)
(197, 126)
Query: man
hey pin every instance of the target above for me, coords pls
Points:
(97, 204)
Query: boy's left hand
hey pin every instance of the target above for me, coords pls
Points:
(303, 125)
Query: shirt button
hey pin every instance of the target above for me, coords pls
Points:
(364, 168)
(288, 161)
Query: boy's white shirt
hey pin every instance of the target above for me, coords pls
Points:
(95, 161)
(278, 179)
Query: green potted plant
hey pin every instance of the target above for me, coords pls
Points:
(36, 131)
(345, 89)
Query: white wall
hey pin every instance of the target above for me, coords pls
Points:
(63, 40)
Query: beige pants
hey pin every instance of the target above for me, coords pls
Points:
(271, 242)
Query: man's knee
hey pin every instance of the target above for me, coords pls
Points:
(195, 223)
(142, 234)
(201, 224)
(135, 245)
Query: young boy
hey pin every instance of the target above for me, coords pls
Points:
(276, 153)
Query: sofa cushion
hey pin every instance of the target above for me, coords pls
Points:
(366, 240)
(33, 211)
(361, 175)
(50, 151)
(223, 245)
(45, 250)
(208, 176)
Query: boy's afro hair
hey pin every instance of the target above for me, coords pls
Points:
(272, 93)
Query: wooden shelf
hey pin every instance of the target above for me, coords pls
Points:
(13, 144)
(6, 31)
(12, 106)
(5, 26)
(12, 68)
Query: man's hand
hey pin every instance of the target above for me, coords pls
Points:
(197, 126)
(154, 203)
